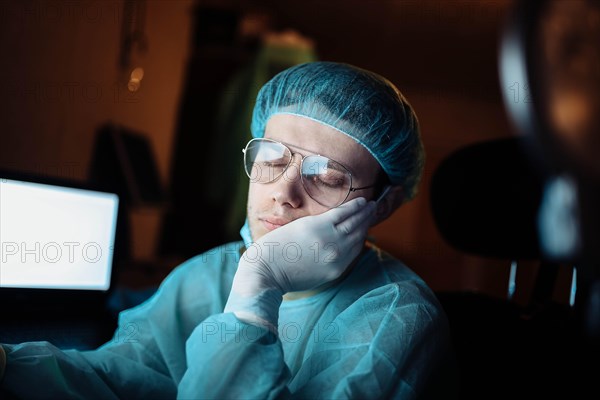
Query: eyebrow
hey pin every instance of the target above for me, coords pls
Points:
(312, 153)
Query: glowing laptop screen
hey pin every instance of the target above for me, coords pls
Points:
(55, 237)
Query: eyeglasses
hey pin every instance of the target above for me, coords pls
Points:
(326, 181)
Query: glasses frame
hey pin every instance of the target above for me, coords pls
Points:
(350, 189)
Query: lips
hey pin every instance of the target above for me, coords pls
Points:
(272, 223)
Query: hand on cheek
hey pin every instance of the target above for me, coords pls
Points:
(292, 257)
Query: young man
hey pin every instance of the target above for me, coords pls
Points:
(304, 307)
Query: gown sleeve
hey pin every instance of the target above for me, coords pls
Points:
(230, 359)
(384, 345)
(130, 365)
(144, 359)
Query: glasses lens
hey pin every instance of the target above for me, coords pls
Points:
(265, 161)
(326, 181)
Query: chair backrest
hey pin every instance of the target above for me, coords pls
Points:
(485, 200)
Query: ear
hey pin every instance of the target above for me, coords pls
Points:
(388, 204)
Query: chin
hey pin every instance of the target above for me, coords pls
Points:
(255, 231)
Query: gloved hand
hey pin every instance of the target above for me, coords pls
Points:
(298, 256)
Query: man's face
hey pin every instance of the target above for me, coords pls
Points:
(276, 203)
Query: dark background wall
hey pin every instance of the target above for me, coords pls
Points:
(61, 80)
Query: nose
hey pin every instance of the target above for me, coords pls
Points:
(287, 190)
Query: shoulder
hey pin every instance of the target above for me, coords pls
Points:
(199, 281)
(218, 260)
(402, 316)
(391, 297)
(384, 275)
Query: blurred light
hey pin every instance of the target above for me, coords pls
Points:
(558, 221)
(515, 84)
(135, 79)
(137, 73)
(512, 279)
(573, 287)
(571, 113)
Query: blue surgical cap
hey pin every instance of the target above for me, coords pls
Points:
(356, 102)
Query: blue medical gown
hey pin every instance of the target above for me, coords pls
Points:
(377, 333)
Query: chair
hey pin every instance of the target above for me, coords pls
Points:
(484, 200)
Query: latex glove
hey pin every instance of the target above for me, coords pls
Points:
(301, 255)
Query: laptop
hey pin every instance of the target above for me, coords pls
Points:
(57, 243)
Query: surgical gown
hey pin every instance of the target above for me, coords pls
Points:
(378, 333)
